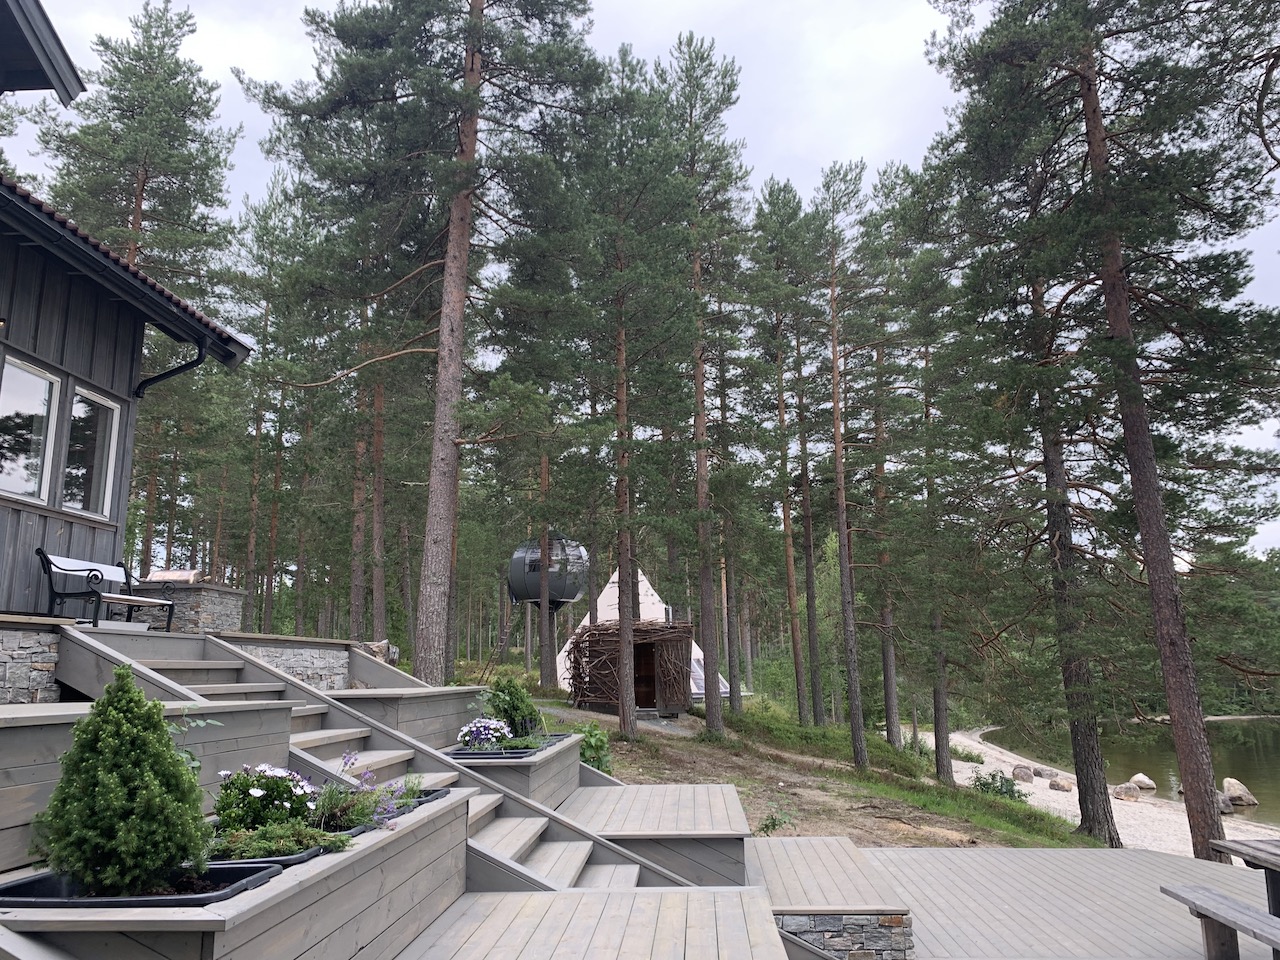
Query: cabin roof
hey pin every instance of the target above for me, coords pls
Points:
(25, 214)
(31, 55)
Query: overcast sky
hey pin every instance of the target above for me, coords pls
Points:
(821, 81)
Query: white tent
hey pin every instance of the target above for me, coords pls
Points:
(651, 607)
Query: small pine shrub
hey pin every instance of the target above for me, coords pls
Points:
(509, 701)
(126, 813)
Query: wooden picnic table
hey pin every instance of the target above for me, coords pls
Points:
(1261, 855)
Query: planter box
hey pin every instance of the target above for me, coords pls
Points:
(369, 901)
(55, 890)
(546, 776)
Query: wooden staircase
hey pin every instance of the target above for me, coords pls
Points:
(513, 845)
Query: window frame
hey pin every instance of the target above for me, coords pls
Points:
(109, 476)
(44, 495)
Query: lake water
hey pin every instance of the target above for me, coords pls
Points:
(1248, 750)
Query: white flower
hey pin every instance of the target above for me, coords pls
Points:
(255, 792)
(286, 803)
(298, 791)
(311, 804)
(263, 768)
(224, 774)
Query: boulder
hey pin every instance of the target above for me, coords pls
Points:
(1224, 803)
(1142, 781)
(1062, 784)
(1045, 773)
(1238, 793)
(1023, 774)
(1126, 791)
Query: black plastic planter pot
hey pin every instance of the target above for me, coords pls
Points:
(500, 753)
(288, 861)
(54, 890)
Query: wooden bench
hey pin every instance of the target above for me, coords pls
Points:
(93, 574)
(1222, 916)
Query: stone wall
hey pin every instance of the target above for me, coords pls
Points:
(197, 607)
(854, 936)
(323, 665)
(27, 659)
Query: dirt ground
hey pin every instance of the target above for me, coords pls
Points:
(794, 794)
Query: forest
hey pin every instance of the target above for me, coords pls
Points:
(956, 442)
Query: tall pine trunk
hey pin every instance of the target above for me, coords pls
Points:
(442, 494)
(1186, 715)
(622, 508)
(848, 625)
(359, 519)
(788, 544)
(706, 549)
(810, 561)
(546, 633)
(378, 564)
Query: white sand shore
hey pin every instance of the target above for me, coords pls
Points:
(1147, 824)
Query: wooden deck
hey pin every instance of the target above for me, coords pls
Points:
(658, 810)
(979, 904)
(820, 875)
(670, 924)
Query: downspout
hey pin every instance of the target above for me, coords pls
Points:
(191, 364)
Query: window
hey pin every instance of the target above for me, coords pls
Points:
(91, 444)
(28, 400)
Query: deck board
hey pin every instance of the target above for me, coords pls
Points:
(667, 924)
(828, 874)
(978, 904)
(659, 810)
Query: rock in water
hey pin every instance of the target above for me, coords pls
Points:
(1062, 784)
(1126, 791)
(1142, 781)
(1238, 793)
(1224, 802)
(1023, 774)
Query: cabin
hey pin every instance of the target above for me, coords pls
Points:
(72, 320)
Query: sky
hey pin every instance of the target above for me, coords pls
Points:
(821, 81)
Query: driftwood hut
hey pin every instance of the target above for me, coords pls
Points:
(662, 665)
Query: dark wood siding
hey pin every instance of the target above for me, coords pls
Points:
(66, 324)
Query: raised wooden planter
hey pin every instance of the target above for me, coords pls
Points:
(547, 777)
(34, 736)
(430, 715)
(371, 900)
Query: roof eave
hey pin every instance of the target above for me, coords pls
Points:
(38, 31)
(156, 308)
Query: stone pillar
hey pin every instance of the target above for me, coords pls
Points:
(197, 607)
(27, 659)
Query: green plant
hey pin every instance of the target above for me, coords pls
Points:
(178, 731)
(775, 819)
(966, 755)
(507, 700)
(484, 733)
(275, 840)
(339, 806)
(126, 812)
(255, 796)
(998, 784)
(593, 749)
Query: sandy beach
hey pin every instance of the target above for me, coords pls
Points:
(1146, 824)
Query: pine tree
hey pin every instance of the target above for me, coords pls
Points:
(143, 168)
(1169, 174)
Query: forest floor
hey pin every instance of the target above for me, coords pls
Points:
(788, 793)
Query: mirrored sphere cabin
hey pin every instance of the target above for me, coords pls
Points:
(566, 571)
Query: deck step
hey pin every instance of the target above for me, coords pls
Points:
(609, 875)
(237, 691)
(482, 810)
(511, 837)
(307, 717)
(383, 764)
(426, 781)
(188, 672)
(560, 861)
(312, 740)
